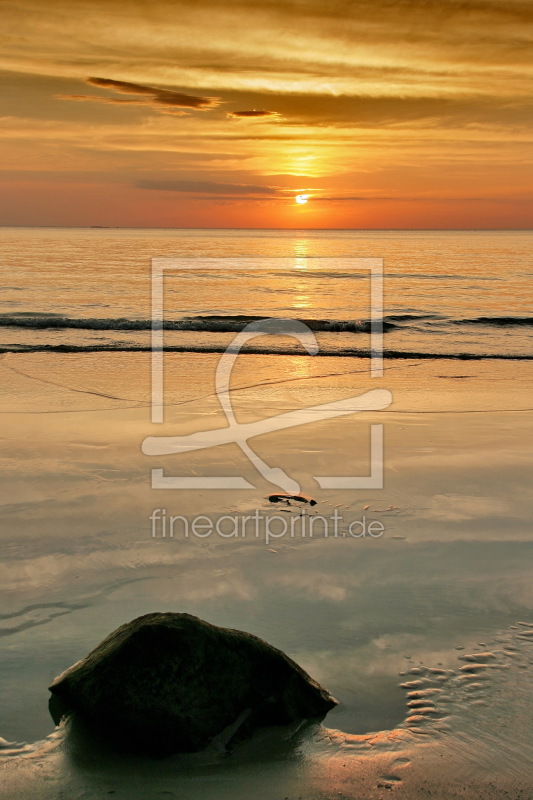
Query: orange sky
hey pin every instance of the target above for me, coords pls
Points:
(388, 113)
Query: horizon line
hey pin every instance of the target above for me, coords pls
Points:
(220, 228)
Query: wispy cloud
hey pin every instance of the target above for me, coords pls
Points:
(364, 111)
(211, 188)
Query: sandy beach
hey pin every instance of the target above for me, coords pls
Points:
(422, 632)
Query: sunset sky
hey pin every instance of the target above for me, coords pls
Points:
(388, 113)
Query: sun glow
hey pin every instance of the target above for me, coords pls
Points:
(302, 198)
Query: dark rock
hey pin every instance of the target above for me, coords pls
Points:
(167, 683)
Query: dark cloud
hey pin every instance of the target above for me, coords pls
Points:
(254, 113)
(164, 99)
(211, 188)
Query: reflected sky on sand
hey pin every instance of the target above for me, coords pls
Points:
(361, 613)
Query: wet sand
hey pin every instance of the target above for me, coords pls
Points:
(423, 632)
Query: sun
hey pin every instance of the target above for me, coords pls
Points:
(302, 198)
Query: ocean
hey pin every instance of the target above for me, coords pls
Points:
(464, 294)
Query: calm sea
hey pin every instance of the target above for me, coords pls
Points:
(464, 294)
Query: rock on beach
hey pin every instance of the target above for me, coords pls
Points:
(168, 682)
